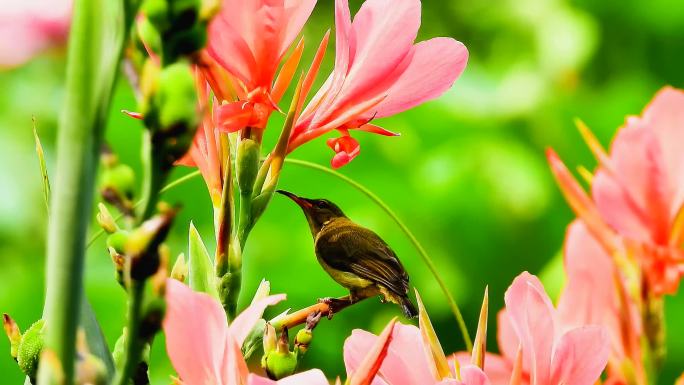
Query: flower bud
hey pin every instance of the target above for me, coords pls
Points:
(248, 153)
(180, 269)
(117, 241)
(281, 362)
(185, 42)
(157, 11)
(105, 219)
(269, 339)
(149, 35)
(143, 243)
(29, 349)
(119, 178)
(13, 334)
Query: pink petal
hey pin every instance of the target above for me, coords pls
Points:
(297, 12)
(506, 336)
(665, 116)
(633, 200)
(498, 369)
(346, 149)
(580, 356)
(196, 333)
(232, 117)
(405, 362)
(310, 377)
(472, 375)
(383, 32)
(234, 368)
(245, 321)
(434, 67)
(532, 317)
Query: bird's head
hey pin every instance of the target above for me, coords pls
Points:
(317, 211)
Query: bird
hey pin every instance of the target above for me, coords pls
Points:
(354, 256)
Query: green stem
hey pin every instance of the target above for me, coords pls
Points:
(134, 343)
(153, 178)
(421, 251)
(90, 79)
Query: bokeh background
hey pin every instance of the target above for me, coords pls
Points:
(468, 173)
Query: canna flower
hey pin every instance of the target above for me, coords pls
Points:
(206, 152)
(595, 295)
(31, 26)
(538, 346)
(379, 72)
(406, 362)
(204, 349)
(414, 355)
(637, 193)
(248, 40)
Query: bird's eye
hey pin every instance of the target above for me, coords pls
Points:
(320, 204)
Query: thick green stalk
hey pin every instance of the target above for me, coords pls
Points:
(134, 343)
(95, 44)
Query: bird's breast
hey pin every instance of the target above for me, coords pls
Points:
(345, 278)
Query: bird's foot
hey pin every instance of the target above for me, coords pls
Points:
(334, 304)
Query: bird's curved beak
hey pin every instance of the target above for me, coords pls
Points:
(302, 202)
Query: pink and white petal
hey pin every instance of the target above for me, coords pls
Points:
(310, 377)
(243, 324)
(383, 34)
(580, 356)
(434, 67)
(506, 336)
(234, 368)
(297, 12)
(226, 45)
(641, 194)
(589, 295)
(497, 368)
(405, 362)
(472, 375)
(665, 116)
(196, 333)
(532, 317)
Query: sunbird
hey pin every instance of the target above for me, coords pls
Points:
(354, 256)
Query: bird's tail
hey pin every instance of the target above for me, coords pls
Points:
(408, 307)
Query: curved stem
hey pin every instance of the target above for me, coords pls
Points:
(421, 251)
(134, 344)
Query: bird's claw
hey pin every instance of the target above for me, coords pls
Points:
(334, 304)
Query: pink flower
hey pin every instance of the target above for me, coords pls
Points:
(379, 71)
(638, 192)
(29, 27)
(205, 152)
(595, 295)
(249, 39)
(205, 350)
(408, 360)
(551, 351)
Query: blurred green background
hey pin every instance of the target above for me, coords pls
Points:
(468, 173)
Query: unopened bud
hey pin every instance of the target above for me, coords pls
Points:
(149, 34)
(180, 269)
(28, 352)
(117, 241)
(270, 337)
(281, 362)
(247, 161)
(105, 219)
(157, 11)
(305, 336)
(119, 178)
(119, 261)
(173, 115)
(142, 245)
(13, 334)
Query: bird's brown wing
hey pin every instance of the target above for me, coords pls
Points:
(354, 249)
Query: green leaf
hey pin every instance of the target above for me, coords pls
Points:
(43, 168)
(201, 272)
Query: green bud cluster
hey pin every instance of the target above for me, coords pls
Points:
(178, 25)
(278, 361)
(28, 352)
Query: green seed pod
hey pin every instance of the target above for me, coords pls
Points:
(157, 11)
(184, 13)
(279, 364)
(119, 178)
(185, 42)
(150, 35)
(117, 241)
(30, 347)
(248, 153)
(303, 337)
